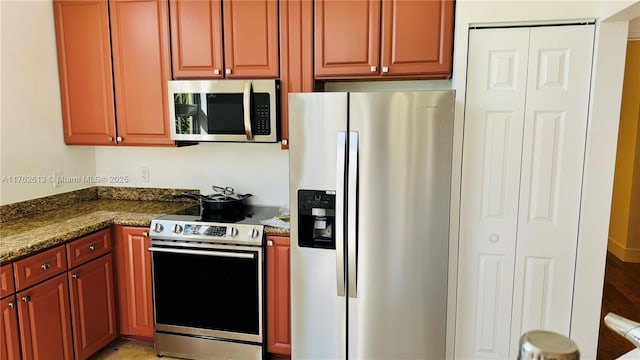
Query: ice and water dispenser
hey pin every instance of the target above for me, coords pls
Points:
(316, 219)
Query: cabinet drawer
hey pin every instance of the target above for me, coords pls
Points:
(88, 247)
(39, 267)
(7, 286)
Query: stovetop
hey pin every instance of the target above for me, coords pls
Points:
(189, 226)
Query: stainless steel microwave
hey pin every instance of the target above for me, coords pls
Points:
(223, 110)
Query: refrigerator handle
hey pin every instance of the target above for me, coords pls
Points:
(352, 215)
(340, 170)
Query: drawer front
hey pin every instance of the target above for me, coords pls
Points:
(38, 267)
(7, 286)
(88, 247)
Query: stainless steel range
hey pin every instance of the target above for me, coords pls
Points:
(208, 285)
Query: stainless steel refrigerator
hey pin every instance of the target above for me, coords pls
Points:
(370, 179)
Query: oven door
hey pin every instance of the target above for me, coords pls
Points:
(214, 291)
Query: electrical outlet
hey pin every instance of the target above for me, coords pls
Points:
(57, 178)
(144, 174)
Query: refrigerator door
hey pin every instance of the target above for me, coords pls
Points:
(318, 313)
(404, 155)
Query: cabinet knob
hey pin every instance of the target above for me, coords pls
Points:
(227, 71)
(75, 276)
(216, 71)
(26, 298)
(110, 138)
(92, 248)
(285, 142)
(269, 243)
(145, 234)
(494, 238)
(385, 69)
(374, 69)
(119, 139)
(12, 305)
(45, 266)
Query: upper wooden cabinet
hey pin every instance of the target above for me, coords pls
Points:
(250, 40)
(135, 34)
(355, 39)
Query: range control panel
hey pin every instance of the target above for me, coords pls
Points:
(243, 234)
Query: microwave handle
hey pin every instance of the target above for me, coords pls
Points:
(246, 102)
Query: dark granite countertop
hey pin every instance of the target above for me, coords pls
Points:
(27, 235)
(36, 225)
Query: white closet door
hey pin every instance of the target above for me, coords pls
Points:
(494, 114)
(557, 102)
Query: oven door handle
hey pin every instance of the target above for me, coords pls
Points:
(204, 252)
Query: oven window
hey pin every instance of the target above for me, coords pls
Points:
(225, 113)
(209, 292)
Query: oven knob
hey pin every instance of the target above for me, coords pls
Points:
(253, 233)
(158, 228)
(233, 232)
(177, 228)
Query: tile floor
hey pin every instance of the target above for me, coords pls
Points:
(128, 349)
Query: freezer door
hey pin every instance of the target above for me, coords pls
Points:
(318, 313)
(398, 308)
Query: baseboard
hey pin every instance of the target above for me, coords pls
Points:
(623, 253)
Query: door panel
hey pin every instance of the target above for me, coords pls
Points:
(318, 314)
(142, 67)
(404, 175)
(84, 65)
(9, 339)
(417, 37)
(553, 155)
(196, 39)
(251, 39)
(494, 121)
(347, 38)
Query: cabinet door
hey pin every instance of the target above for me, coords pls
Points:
(196, 38)
(417, 37)
(84, 66)
(296, 56)
(133, 273)
(45, 321)
(141, 69)
(251, 38)
(7, 285)
(92, 306)
(9, 339)
(347, 38)
(278, 296)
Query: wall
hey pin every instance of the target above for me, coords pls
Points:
(605, 95)
(31, 144)
(258, 169)
(624, 228)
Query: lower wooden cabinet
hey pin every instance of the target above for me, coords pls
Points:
(133, 279)
(45, 320)
(9, 340)
(92, 306)
(278, 296)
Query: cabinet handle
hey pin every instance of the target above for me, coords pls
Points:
(75, 276)
(45, 266)
(145, 234)
(26, 298)
(216, 71)
(227, 71)
(374, 69)
(119, 139)
(92, 248)
(110, 138)
(12, 304)
(269, 243)
(385, 69)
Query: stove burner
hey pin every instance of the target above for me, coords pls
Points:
(224, 217)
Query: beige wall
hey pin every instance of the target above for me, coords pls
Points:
(624, 227)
